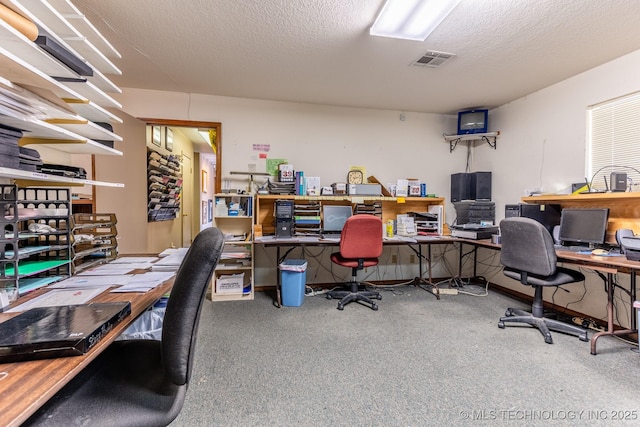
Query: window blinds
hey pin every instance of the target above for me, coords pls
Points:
(614, 141)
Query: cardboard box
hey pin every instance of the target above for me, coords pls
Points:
(230, 283)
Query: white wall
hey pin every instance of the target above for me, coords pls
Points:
(320, 140)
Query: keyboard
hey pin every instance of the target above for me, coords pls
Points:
(572, 248)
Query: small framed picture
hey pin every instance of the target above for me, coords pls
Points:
(168, 139)
(204, 181)
(156, 135)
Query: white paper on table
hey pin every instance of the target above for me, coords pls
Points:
(107, 270)
(134, 260)
(91, 281)
(145, 282)
(60, 297)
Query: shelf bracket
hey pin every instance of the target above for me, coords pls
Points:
(490, 138)
(453, 143)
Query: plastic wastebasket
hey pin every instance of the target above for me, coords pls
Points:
(148, 326)
(293, 277)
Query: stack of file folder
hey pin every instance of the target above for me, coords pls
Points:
(281, 187)
(9, 151)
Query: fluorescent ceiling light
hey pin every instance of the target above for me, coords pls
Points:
(411, 19)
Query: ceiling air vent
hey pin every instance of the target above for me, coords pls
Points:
(433, 59)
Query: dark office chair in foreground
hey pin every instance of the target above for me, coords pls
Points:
(360, 247)
(528, 256)
(143, 382)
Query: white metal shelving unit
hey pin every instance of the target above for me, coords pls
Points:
(73, 103)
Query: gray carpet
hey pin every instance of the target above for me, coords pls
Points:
(416, 361)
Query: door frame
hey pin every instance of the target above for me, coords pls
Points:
(195, 124)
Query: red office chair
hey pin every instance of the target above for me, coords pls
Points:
(360, 247)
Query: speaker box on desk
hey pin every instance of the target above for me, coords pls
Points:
(460, 187)
(480, 185)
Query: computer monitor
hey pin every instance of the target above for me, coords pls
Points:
(583, 226)
(334, 217)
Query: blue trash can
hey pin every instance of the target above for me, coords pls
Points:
(293, 278)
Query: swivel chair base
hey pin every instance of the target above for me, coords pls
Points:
(543, 324)
(353, 294)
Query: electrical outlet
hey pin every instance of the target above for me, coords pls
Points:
(394, 259)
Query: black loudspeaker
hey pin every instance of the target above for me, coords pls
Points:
(480, 185)
(460, 187)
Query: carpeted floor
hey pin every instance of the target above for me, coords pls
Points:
(416, 361)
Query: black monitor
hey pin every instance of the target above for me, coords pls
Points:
(334, 217)
(583, 226)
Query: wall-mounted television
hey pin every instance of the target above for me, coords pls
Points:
(472, 121)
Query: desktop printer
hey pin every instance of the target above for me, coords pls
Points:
(629, 243)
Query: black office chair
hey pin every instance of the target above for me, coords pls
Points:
(360, 247)
(143, 382)
(528, 256)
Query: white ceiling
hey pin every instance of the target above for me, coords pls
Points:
(320, 51)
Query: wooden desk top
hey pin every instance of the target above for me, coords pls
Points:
(26, 386)
(604, 261)
(318, 241)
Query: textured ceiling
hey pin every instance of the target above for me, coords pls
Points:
(320, 51)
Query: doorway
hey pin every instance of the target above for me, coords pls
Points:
(206, 139)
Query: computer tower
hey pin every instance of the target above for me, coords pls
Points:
(546, 214)
(460, 187)
(480, 183)
(511, 211)
(283, 211)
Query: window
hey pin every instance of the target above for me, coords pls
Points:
(614, 141)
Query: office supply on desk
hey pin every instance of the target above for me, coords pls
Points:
(143, 382)
(60, 331)
(360, 247)
(473, 231)
(528, 256)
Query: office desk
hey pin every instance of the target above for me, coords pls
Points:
(413, 242)
(26, 386)
(606, 267)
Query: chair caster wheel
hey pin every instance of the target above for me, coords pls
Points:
(508, 313)
(379, 296)
(329, 296)
(340, 307)
(583, 338)
(501, 325)
(548, 339)
(374, 307)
